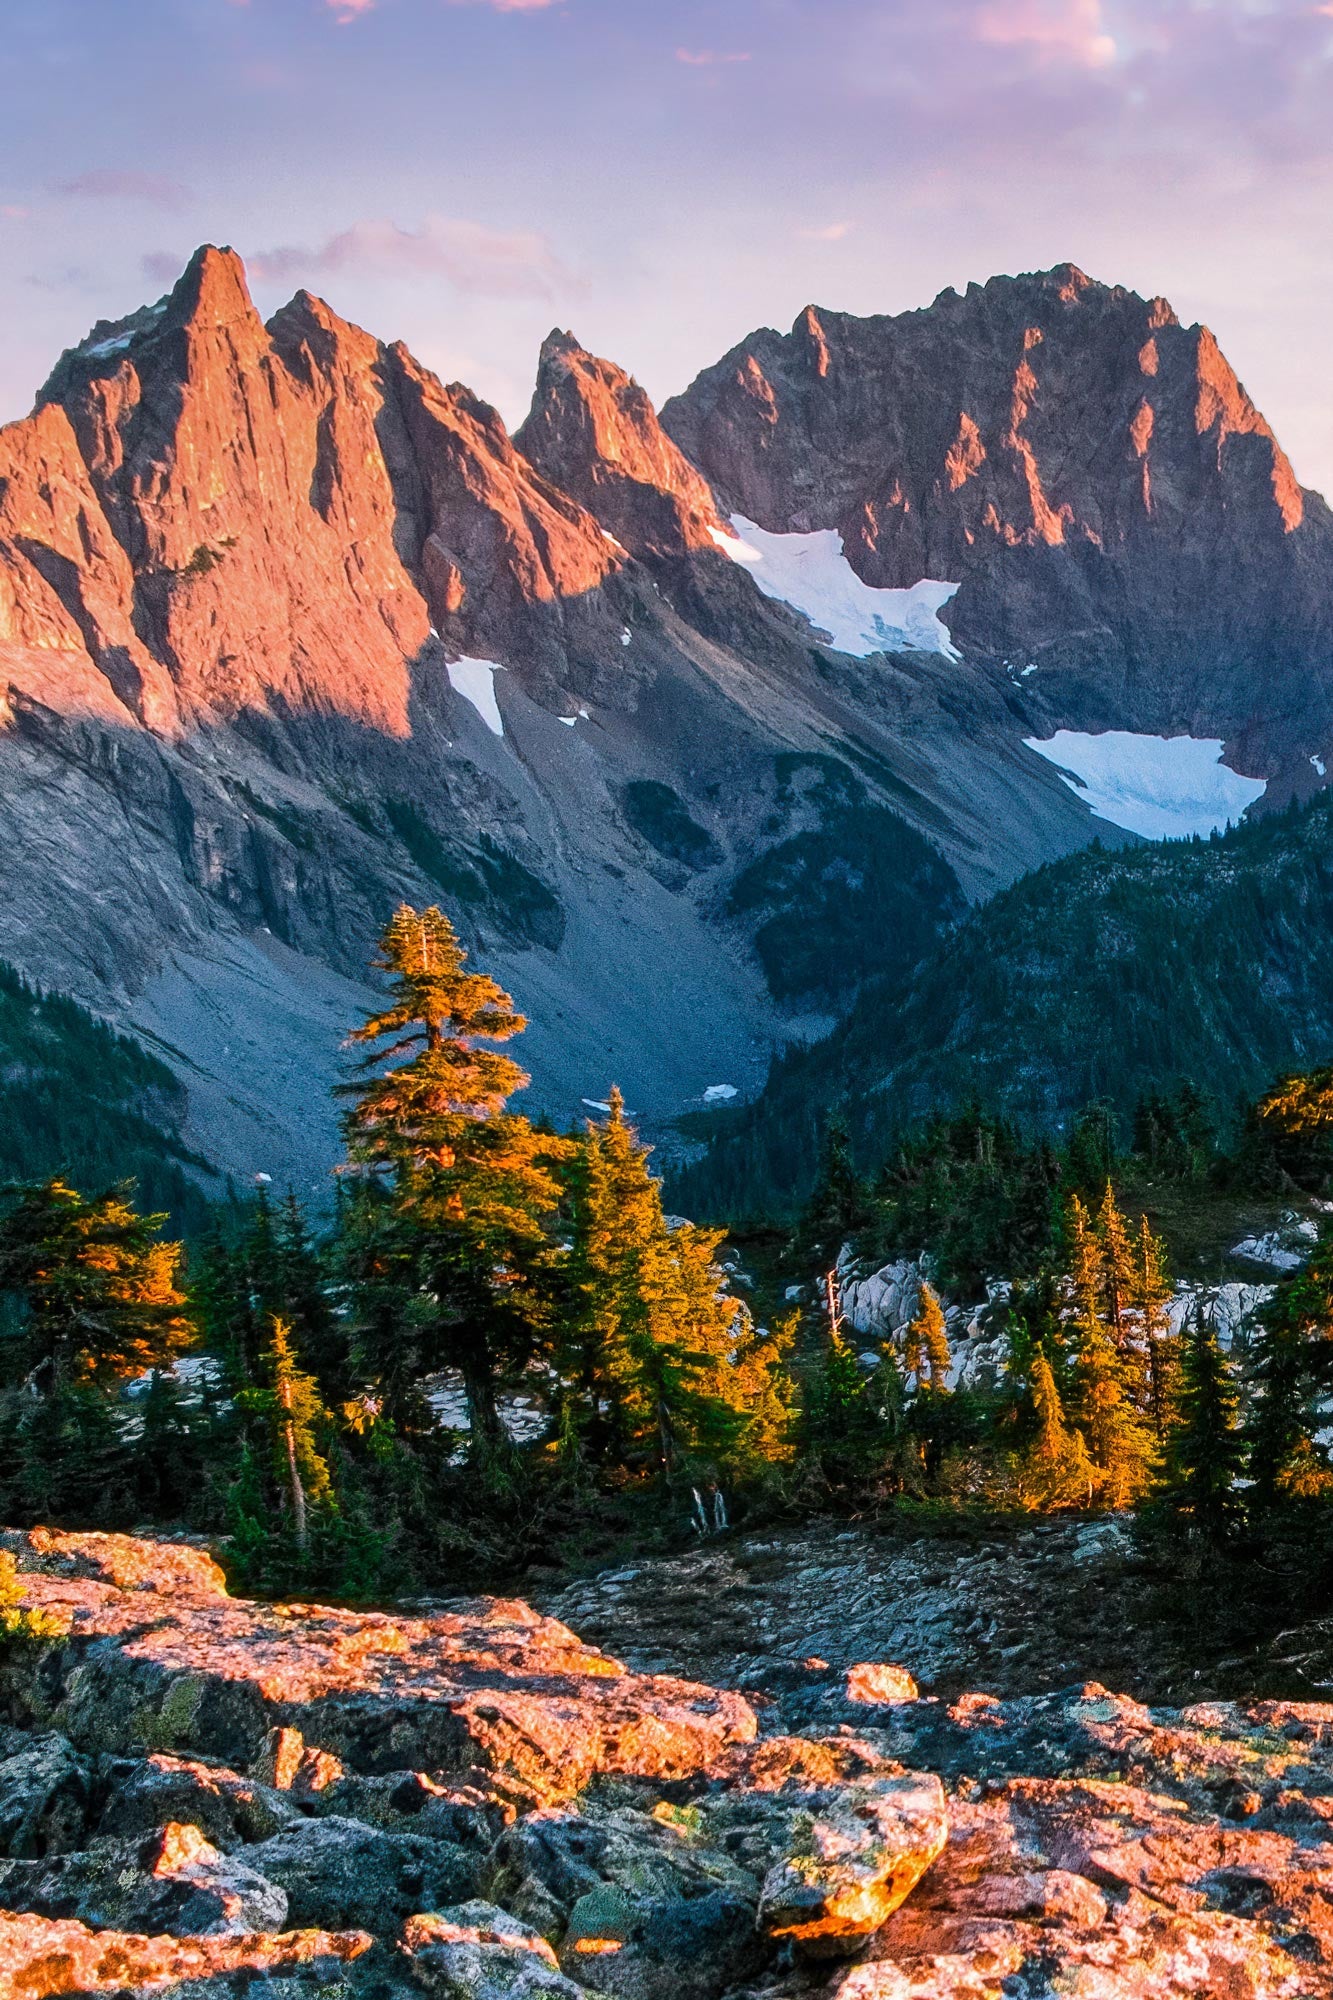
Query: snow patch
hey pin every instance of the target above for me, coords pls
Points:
(104, 348)
(1318, 763)
(626, 636)
(595, 1104)
(568, 720)
(718, 1093)
(475, 681)
(811, 573)
(1164, 787)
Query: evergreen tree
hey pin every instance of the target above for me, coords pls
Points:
(1054, 1470)
(1117, 1271)
(926, 1344)
(853, 1423)
(660, 1355)
(1293, 1368)
(96, 1286)
(291, 1412)
(1150, 1296)
(474, 1183)
(1085, 1269)
(837, 1205)
(1101, 1405)
(1206, 1454)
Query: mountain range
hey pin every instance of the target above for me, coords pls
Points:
(698, 723)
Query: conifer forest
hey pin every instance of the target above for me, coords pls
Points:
(498, 1352)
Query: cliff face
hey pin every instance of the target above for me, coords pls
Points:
(290, 630)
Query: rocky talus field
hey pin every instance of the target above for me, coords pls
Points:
(201, 1796)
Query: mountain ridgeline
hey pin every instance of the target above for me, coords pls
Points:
(1101, 978)
(695, 725)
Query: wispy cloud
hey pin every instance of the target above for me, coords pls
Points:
(1071, 30)
(490, 262)
(508, 6)
(828, 232)
(124, 184)
(707, 58)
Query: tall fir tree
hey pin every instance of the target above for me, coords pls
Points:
(290, 1413)
(1101, 1403)
(474, 1182)
(1054, 1469)
(1206, 1452)
(1292, 1371)
(1150, 1295)
(1117, 1262)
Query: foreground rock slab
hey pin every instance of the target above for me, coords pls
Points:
(208, 1799)
(162, 1659)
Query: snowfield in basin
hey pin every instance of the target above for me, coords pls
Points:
(1164, 787)
(813, 576)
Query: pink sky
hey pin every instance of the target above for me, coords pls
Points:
(465, 173)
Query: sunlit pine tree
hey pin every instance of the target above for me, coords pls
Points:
(97, 1284)
(926, 1343)
(1117, 1262)
(663, 1356)
(1150, 1295)
(291, 1412)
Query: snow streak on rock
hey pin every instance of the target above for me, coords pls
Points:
(1164, 787)
(812, 575)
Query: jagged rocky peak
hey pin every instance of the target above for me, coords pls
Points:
(1090, 472)
(288, 510)
(1011, 414)
(593, 431)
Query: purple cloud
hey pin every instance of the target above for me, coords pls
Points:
(124, 184)
(514, 264)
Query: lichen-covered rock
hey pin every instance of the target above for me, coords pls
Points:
(45, 1795)
(490, 1687)
(341, 1872)
(174, 1881)
(127, 1562)
(846, 1857)
(479, 1952)
(470, 1815)
(875, 1681)
(231, 1809)
(41, 1957)
(837, 1834)
(1083, 1887)
(641, 1905)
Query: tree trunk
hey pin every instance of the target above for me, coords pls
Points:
(293, 1469)
(489, 1437)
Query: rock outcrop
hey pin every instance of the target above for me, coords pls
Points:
(606, 1832)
